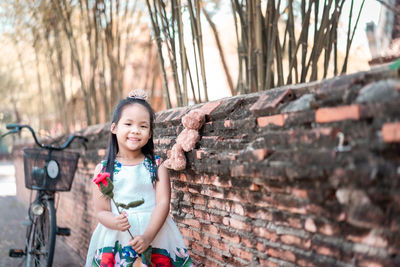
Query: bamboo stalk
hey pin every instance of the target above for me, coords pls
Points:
(159, 47)
(195, 35)
(170, 44)
(259, 49)
(201, 50)
(182, 51)
(344, 68)
(274, 14)
(239, 85)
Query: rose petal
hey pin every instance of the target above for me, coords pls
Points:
(100, 177)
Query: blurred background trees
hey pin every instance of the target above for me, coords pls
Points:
(72, 60)
(68, 62)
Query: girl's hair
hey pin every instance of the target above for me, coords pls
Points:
(147, 150)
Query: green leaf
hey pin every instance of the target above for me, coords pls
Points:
(107, 190)
(132, 204)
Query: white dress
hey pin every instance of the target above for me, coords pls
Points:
(111, 247)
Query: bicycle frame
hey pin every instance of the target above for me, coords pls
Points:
(41, 233)
(42, 229)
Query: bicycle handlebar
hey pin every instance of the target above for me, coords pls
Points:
(15, 128)
(11, 126)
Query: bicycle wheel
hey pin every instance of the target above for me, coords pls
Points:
(42, 237)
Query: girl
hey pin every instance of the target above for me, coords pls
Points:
(136, 175)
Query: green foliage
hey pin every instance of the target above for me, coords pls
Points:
(107, 191)
(132, 204)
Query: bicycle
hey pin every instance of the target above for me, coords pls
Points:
(48, 169)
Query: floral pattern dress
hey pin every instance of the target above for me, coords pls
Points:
(111, 247)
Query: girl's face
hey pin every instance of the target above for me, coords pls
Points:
(132, 129)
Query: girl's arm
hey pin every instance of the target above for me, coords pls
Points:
(160, 213)
(103, 209)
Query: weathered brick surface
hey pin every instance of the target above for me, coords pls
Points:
(269, 183)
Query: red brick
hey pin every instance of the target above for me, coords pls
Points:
(199, 154)
(327, 251)
(329, 229)
(255, 155)
(200, 237)
(240, 225)
(198, 214)
(182, 177)
(198, 199)
(227, 123)
(192, 222)
(212, 193)
(310, 225)
(302, 193)
(219, 244)
(259, 214)
(264, 233)
(391, 132)
(295, 240)
(267, 263)
(237, 171)
(218, 204)
(295, 223)
(254, 187)
(209, 228)
(260, 246)
(197, 247)
(369, 263)
(226, 221)
(248, 242)
(163, 141)
(217, 181)
(216, 218)
(305, 263)
(231, 237)
(209, 107)
(269, 101)
(243, 254)
(208, 262)
(282, 254)
(187, 209)
(196, 258)
(278, 120)
(101, 152)
(215, 255)
(324, 115)
(238, 209)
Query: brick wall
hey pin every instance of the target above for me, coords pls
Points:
(268, 183)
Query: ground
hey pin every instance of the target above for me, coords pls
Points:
(12, 234)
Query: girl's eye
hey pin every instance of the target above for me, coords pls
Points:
(144, 126)
(127, 124)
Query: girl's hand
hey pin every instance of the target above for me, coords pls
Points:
(140, 243)
(121, 222)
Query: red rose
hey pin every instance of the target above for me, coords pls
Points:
(160, 260)
(101, 178)
(105, 184)
(107, 260)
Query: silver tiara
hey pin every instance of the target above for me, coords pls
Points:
(138, 94)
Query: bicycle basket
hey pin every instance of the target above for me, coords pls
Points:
(36, 177)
